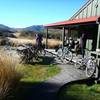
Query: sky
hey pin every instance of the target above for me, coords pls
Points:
(24, 13)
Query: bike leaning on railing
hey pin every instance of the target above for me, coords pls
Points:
(88, 63)
(65, 53)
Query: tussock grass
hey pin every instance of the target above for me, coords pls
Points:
(10, 74)
(52, 43)
(18, 41)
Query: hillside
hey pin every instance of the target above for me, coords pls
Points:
(34, 28)
(30, 28)
(30, 31)
(6, 28)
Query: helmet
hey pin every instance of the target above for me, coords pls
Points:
(70, 38)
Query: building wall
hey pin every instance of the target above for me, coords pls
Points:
(91, 8)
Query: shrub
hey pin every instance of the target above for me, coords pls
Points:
(9, 75)
(53, 43)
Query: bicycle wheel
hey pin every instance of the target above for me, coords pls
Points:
(78, 62)
(43, 53)
(90, 68)
(59, 52)
(68, 55)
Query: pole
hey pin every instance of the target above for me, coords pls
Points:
(98, 37)
(46, 43)
(63, 37)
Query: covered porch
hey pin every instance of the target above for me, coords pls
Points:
(91, 26)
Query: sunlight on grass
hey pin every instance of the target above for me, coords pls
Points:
(34, 75)
(80, 92)
(18, 41)
(39, 73)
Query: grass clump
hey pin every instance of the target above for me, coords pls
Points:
(38, 72)
(10, 74)
(34, 75)
(80, 92)
(52, 43)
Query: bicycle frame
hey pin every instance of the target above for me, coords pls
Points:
(65, 53)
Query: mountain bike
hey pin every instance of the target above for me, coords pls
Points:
(28, 52)
(65, 53)
(88, 63)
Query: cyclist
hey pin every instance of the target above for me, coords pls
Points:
(83, 39)
(39, 40)
(71, 43)
(77, 47)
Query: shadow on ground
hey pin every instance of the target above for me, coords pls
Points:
(44, 91)
(88, 82)
(39, 90)
(44, 60)
(36, 91)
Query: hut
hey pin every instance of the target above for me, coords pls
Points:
(87, 20)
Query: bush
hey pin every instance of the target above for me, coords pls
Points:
(26, 33)
(9, 75)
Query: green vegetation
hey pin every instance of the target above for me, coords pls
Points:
(39, 73)
(52, 34)
(26, 33)
(16, 80)
(80, 92)
(33, 76)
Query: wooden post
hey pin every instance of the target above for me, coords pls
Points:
(98, 44)
(98, 37)
(46, 43)
(63, 37)
(69, 32)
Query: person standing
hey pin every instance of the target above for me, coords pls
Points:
(71, 43)
(39, 41)
(83, 39)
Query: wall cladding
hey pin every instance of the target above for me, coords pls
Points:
(91, 8)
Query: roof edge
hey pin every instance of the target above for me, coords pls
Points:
(74, 21)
